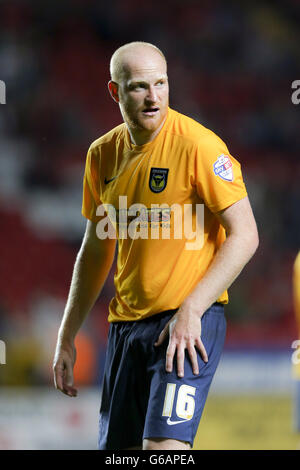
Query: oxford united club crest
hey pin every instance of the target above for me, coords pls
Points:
(158, 179)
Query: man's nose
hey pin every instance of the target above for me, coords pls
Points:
(151, 95)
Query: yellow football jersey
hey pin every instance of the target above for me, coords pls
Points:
(159, 197)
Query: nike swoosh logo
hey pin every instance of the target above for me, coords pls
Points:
(106, 181)
(171, 423)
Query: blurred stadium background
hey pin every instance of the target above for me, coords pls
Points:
(231, 65)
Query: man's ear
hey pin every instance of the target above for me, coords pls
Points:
(113, 90)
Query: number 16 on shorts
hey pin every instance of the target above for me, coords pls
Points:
(185, 403)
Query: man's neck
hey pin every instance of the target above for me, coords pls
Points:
(142, 137)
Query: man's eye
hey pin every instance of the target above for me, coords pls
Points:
(138, 85)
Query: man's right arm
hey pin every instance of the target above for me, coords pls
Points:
(91, 269)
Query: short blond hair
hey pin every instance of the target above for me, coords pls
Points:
(116, 63)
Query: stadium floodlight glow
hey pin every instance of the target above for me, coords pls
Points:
(2, 92)
(2, 352)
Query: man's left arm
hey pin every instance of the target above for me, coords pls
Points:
(184, 329)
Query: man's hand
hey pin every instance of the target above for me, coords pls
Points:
(63, 364)
(184, 330)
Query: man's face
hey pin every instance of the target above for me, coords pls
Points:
(144, 92)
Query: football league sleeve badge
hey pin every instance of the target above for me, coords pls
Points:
(223, 167)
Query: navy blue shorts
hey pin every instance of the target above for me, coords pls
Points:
(139, 398)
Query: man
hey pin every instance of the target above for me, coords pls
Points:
(167, 325)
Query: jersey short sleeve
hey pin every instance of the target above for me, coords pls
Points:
(218, 176)
(91, 184)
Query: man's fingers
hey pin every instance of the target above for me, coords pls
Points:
(63, 380)
(70, 391)
(58, 376)
(178, 348)
(193, 358)
(68, 380)
(202, 349)
(58, 382)
(169, 357)
(69, 375)
(68, 387)
(180, 361)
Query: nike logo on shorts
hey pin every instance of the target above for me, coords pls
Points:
(171, 423)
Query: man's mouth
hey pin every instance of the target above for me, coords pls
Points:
(150, 111)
